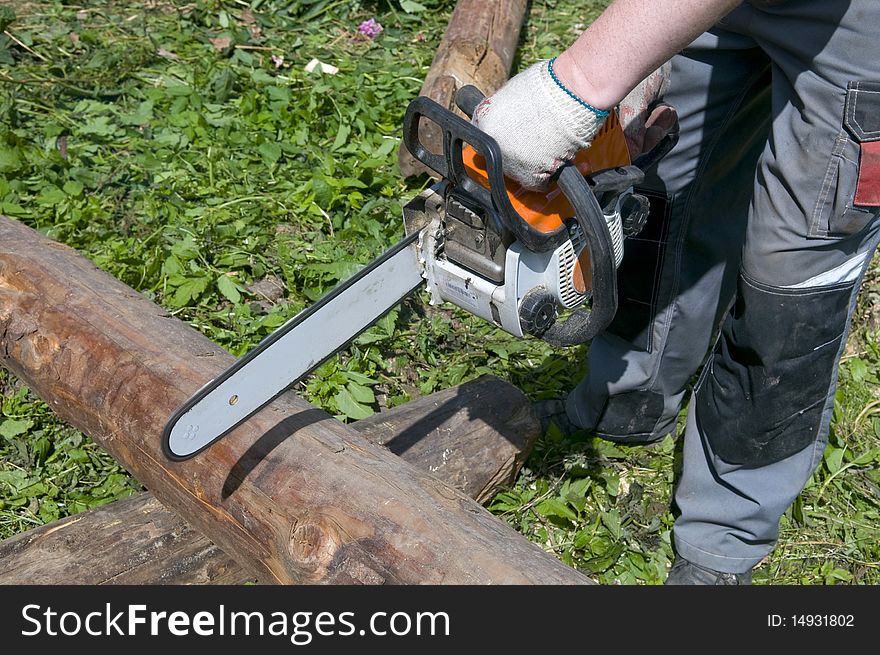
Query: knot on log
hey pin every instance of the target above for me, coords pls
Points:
(24, 341)
(324, 547)
(312, 545)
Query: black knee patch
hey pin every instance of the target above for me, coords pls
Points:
(761, 400)
(631, 417)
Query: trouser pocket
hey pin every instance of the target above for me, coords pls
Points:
(862, 120)
(762, 396)
(849, 197)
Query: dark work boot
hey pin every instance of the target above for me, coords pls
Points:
(688, 573)
(552, 411)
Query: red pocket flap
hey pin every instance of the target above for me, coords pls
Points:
(868, 188)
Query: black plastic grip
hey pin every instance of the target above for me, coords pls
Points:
(467, 98)
(584, 324)
(664, 146)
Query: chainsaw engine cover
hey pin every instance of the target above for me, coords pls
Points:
(505, 295)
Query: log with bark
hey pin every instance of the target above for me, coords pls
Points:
(134, 541)
(292, 494)
(473, 436)
(477, 48)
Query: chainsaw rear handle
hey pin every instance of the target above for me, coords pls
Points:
(651, 158)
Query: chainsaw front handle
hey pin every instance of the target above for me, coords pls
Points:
(467, 98)
(456, 133)
(584, 324)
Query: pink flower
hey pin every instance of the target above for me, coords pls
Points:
(370, 28)
(278, 60)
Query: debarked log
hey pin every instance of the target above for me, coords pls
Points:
(292, 494)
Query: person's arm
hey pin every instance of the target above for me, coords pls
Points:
(629, 40)
(544, 115)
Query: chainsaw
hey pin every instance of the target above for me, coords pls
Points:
(527, 261)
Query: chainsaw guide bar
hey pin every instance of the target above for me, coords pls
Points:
(293, 351)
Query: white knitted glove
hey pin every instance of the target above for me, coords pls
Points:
(537, 125)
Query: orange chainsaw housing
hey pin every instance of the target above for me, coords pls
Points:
(547, 210)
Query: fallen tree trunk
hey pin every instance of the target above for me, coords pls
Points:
(473, 436)
(132, 541)
(477, 48)
(292, 494)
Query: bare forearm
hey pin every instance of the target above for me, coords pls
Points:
(630, 40)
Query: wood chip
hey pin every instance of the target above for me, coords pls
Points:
(325, 68)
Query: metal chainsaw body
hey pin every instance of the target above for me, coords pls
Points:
(511, 256)
(514, 256)
(524, 292)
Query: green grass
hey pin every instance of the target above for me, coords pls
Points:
(162, 141)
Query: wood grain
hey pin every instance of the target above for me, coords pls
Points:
(477, 48)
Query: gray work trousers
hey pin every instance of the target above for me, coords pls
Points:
(763, 221)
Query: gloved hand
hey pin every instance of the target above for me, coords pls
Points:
(645, 119)
(537, 124)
